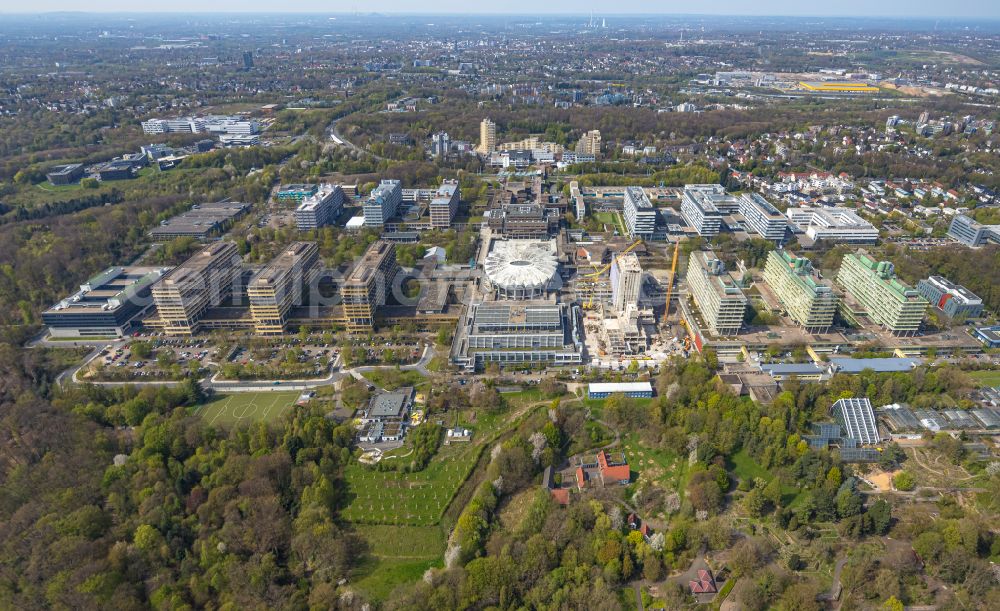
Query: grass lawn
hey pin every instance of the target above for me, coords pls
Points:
(397, 555)
(413, 499)
(746, 468)
(607, 218)
(658, 467)
(985, 378)
(391, 379)
(247, 407)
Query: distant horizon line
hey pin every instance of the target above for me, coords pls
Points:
(891, 17)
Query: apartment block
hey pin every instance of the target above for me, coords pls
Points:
(807, 299)
(715, 293)
(886, 301)
(383, 203)
(762, 218)
(590, 144)
(444, 204)
(365, 290)
(282, 284)
(321, 208)
(487, 137)
(184, 293)
(640, 215)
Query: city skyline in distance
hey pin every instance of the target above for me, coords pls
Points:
(900, 9)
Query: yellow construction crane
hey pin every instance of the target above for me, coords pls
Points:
(592, 278)
(670, 282)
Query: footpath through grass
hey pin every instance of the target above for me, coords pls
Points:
(247, 407)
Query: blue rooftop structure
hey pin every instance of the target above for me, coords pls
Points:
(884, 365)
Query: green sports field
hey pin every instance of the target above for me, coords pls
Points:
(247, 407)
(985, 378)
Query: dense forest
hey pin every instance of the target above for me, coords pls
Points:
(173, 513)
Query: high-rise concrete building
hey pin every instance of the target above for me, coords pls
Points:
(319, 209)
(282, 284)
(184, 293)
(440, 144)
(444, 204)
(487, 137)
(699, 209)
(884, 299)
(719, 299)
(590, 143)
(626, 282)
(971, 233)
(248, 60)
(808, 300)
(383, 203)
(640, 215)
(762, 218)
(365, 290)
(953, 299)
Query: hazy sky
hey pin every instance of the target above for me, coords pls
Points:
(843, 8)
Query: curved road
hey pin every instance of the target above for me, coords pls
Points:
(332, 128)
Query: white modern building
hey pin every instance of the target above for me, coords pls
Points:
(715, 293)
(444, 204)
(213, 124)
(321, 208)
(700, 207)
(640, 215)
(764, 219)
(522, 269)
(833, 224)
(383, 203)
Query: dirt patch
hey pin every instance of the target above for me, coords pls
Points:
(882, 480)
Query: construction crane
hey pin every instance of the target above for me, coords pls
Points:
(670, 282)
(591, 278)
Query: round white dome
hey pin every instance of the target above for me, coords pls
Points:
(521, 268)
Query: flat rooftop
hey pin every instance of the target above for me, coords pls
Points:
(368, 262)
(623, 387)
(956, 290)
(721, 281)
(291, 256)
(109, 290)
(198, 262)
(201, 219)
(390, 404)
(499, 315)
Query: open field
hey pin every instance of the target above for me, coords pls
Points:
(415, 499)
(985, 378)
(248, 407)
(397, 555)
